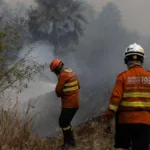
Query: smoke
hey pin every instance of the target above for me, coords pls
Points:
(96, 60)
(46, 82)
(134, 13)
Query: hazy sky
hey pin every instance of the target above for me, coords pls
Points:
(135, 12)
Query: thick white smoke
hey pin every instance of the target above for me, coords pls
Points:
(95, 65)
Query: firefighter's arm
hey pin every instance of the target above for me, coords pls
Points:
(115, 99)
(60, 84)
(116, 96)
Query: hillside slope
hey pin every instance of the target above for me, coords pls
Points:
(89, 136)
(16, 133)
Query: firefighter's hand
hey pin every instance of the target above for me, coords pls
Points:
(107, 118)
(107, 126)
(108, 115)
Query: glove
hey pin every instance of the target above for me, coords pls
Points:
(108, 115)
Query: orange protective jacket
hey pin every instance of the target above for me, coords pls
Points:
(68, 89)
(131, 96)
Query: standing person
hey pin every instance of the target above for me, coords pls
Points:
(130, 99)
(68, 89)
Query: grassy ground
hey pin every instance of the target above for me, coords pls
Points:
(17, 135)
(89, 136)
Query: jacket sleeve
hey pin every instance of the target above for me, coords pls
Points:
(116, 96)
(60, 85)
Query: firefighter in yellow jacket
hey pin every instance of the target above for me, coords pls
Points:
(130, 101)
(68, 89)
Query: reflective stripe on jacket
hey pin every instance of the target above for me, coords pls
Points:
(68, 89)
(71, 86)
(131, 96)
(135, 101)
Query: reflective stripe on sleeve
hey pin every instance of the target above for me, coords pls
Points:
(113, 107)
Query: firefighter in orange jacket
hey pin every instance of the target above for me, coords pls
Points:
(130, 100)
(68, 89)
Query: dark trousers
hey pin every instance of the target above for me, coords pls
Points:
(65, 119)
(66, 116)
(136, 135)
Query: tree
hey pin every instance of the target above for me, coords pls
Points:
(14, 71)
(59, 21)
(113, 37)
(109, 20)
(10, 18)
(105, 41)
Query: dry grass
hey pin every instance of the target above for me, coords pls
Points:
(16, 134)
(89, 136)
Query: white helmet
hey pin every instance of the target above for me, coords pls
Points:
(134, 50)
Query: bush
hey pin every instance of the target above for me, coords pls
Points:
(13, 69)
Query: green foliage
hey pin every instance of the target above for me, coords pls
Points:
(14, 71)
(8, 38)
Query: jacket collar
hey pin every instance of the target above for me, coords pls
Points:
(135, 66)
